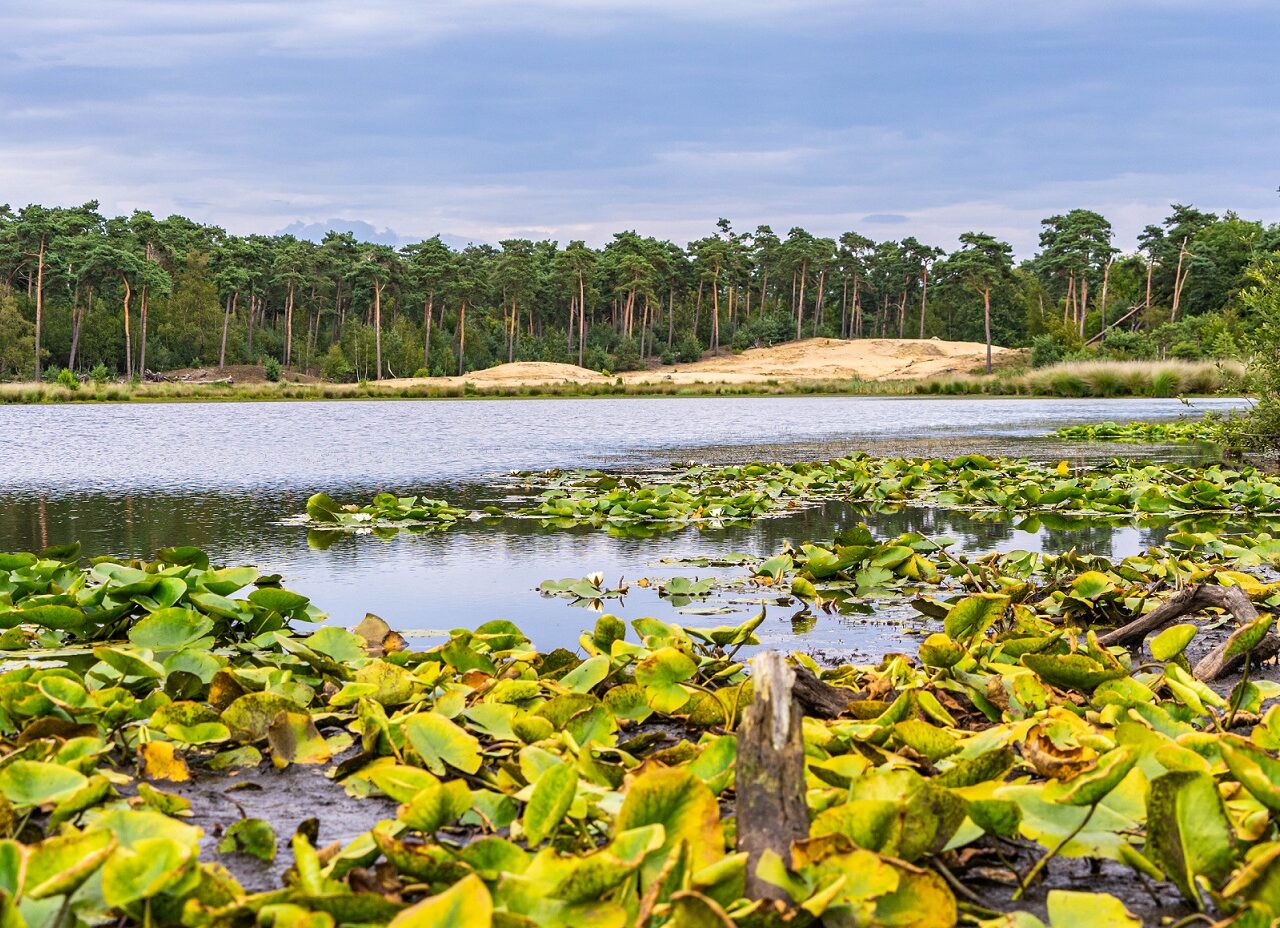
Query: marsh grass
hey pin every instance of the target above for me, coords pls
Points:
(1075, 379)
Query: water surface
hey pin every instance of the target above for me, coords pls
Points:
(130, 479)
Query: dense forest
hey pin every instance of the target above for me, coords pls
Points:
(126, 295)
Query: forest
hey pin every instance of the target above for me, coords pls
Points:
(120, 297)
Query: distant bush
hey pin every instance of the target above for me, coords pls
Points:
(99, 374)
(271, 368)
(689, 349)
(626, 356)
(334, 366)
(68, 379)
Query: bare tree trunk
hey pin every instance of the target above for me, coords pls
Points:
(142, 332)
(128, 343)
(715, 310)
(39, 305)
(226, 321)
(1106, 279)
(1084, 301)
(582, 320)
(817, 309)
(288, 327)
(924, 296)
(428, 311)
(986, 317)
(1179, 279)
(377, 328)
(804, 272)
(462, 336)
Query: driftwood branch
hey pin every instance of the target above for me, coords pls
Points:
(817, 699)
(769, 777)
(1195, 599)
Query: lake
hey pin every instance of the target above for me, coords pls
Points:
(129, 479)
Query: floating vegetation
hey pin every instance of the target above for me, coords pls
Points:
(587, 591)
(1207, 429)
(386, 510)
(694, 495)
(613, 787)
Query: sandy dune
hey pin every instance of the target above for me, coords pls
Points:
(835, 359)
(808, 360)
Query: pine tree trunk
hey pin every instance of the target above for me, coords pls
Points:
(986, 317)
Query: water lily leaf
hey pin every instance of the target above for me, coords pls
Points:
(1248, 636)
(343, 646)
(34, 783)
(552, 795)
(250, 715)
(57, 866)
(275, 599)
(939, 650)
(686, 809)
(394, 685)
(973, 615)
(228, 580)
(1072, 671)
(294, 739)
(323, 508)
(435, 805)
(251, 836)
(1255, 769)
(1172, 641)
(466, 904)
(1088, 910)
(1188, 833)
(661, 673)
(62, 618)
(439, 741)
(1092, 787)
(137, 664)
(398, 781)
(1092, 584)
(921, 900)
(144, 870)
(159, 760)
(587, 675)
(170, 629)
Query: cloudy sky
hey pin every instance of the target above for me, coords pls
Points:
(576, 118)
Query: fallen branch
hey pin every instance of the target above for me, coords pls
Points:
(1195, 599)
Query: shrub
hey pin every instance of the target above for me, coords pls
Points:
(334, 366)
(271, 368)
(689, 349)
(99, 374)
(626, 357)
(1046, 350)
(68, 379)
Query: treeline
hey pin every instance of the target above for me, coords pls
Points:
(125, 295)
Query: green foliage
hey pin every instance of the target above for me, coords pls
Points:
(272, 369)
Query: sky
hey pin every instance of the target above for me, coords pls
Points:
(488, 119)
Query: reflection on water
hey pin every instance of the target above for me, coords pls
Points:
(129, 480)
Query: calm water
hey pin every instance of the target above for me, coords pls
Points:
(130, 479)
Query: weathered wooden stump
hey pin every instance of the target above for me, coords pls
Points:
(771, 808)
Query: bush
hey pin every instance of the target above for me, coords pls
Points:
(1046, 350)
(271, 368)
(68, 379)
(668, 357)
(689, 349)
(99, 374)
(626, 357)
(334, 366)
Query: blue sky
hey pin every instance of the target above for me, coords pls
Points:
(484, 119)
